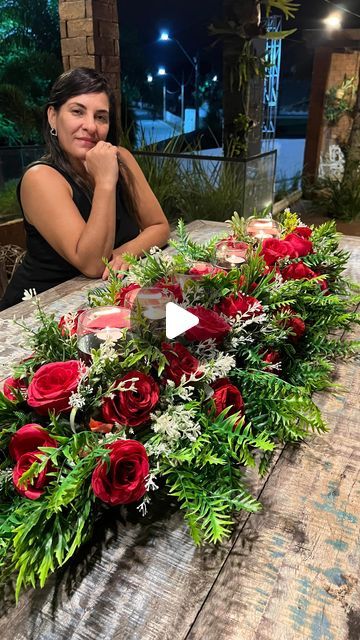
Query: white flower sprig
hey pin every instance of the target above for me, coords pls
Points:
(175, 423)
(29, 294)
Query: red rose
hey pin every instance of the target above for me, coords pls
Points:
(301, 245)
(322, 283)
(297, 326)
(181, 362)
(303, 232)
(11, 384)
(33, 489)
(69, 323)
(232, 305)
(132, 408)
(297, 271)
(28, 439)
(120, 297)
(211, 325)
(273, 250)
(53, 384)
(205, 269)
(232, 243)
(271, 357)
(226, 395)
(293, 322)
(124, 480)
(172, 286)
(96, 426)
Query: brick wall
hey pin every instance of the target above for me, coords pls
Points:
(89, 32)
(341, 64)
(331, 63)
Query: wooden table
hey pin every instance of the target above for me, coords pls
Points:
(290, 572)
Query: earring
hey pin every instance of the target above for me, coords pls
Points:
(53, 132)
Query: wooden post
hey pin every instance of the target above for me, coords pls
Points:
(314, 131)
(89, 31)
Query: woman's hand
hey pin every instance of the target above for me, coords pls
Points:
(102, 163)
(118, 264)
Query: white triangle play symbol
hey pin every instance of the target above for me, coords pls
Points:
(178, 320)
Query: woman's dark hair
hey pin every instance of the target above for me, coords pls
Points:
(74, 83)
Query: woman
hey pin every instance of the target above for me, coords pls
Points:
(86, 199)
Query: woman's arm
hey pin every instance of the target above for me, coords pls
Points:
(47, 202)
(155, 230)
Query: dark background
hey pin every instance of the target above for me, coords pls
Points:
(141, 52)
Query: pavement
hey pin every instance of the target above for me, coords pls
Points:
(152, 130)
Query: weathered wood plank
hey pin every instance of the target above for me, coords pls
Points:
(293, 573)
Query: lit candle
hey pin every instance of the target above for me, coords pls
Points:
(233, 259)
(99, 324)
(261, 235)
(152, 302)
(262, 228)
(154, 313)
(231, 253)
(110, 334)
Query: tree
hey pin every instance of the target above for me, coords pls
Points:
(29, 64)
(242, 63)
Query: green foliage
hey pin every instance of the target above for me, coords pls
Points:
(190, 249)
(47, 342)
(9, 205)
(339, 199)
(285, 411)
(338, 100)
(210, 190)
(30, 62)
(288, 7)
(9, 134)
(209, 496)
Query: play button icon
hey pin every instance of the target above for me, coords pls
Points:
(178, 320)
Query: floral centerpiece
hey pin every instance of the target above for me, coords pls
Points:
(186, 416)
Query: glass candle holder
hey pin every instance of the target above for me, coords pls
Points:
(95, 326)
(197, 271)
(231, 253)
(150, 300)
(263, 228)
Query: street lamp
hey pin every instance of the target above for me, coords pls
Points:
(162, 72)
(164, 37)
(333, 21)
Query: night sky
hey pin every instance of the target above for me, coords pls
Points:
(188, 19)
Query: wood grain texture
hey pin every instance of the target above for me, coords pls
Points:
(289, 573)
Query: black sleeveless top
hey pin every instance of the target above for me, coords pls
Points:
(42, 267)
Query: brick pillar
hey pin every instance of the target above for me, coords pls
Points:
(89, 32)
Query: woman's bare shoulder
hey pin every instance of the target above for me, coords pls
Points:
(41, 171)
(42, 176)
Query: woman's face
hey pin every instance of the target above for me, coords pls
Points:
(80, 123)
